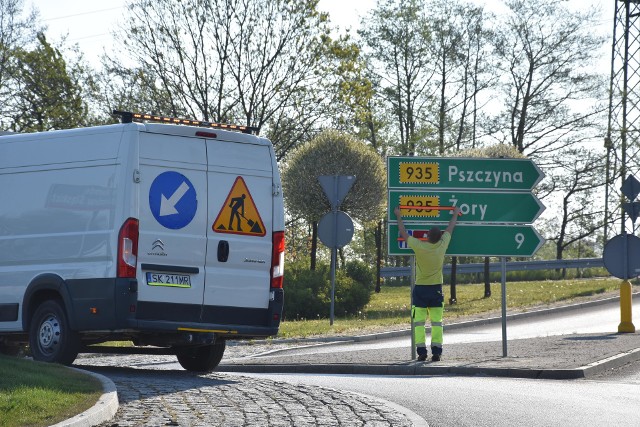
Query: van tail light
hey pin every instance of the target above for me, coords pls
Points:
(128, 248)
(277, 260)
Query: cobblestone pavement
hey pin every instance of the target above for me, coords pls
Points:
(155, 391)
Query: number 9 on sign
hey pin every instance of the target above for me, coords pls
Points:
(519, 239)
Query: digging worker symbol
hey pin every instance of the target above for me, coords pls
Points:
(237, 204)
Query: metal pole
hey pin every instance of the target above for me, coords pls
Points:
(625, 98)
(333, 282)
(334, 250)
(626, 322)
(413, 284)
(503, 271)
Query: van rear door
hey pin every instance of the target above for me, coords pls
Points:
(238, 263)
(173, 223)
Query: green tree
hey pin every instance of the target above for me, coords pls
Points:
(334, 153)
(16, 31)
(48, 93)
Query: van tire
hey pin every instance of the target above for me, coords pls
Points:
(50, 337)
(201, 358)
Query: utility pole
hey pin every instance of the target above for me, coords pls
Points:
(623, 133)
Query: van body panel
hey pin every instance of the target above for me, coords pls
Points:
(62, 187)
(70, 192)
(242, 280)
(173, 177)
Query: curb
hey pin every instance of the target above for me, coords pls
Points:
(103, 410)
(413, 368)
(611, 362)
(406, 370)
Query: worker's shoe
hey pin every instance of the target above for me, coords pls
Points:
(422, 357)
(435, 358)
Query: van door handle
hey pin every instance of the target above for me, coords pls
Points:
(223, 251)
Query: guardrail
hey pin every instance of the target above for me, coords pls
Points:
(511, 266)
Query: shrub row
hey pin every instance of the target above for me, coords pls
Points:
(308, 293)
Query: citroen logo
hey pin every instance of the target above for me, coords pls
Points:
(158, 244)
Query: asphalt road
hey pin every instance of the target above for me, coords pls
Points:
(488, 401)
(154, 390)
(612, 398)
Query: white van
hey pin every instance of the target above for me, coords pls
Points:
(169, 235)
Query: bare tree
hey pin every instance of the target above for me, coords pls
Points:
(577, 180)
(246, 61)
(397, 36)
(552, 95)
(458, 49)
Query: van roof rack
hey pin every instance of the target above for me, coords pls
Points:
(128, 117)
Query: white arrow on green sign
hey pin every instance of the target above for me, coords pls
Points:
(459, 173)
(475, 206)
(475, 240)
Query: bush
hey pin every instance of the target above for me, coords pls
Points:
(308, 293)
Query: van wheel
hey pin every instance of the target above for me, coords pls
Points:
(202, 358)
(50, 338)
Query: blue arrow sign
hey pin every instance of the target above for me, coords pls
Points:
(173, 200)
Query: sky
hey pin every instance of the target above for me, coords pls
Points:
(89, 23)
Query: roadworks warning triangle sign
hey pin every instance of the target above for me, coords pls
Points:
(239, 214)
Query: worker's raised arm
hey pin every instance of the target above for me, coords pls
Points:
(401, 229)
(453, 220)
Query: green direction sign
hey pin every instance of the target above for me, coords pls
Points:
(475, 240)
(460, 173)
(475, 206)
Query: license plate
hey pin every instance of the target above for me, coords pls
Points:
(172, 280)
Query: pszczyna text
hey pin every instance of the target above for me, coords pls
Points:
(495, 177)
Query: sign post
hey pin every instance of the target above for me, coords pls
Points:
(621, 254)
(335, 229)
(495, 199)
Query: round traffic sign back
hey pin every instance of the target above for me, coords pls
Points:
(335, 229)
(614, 256)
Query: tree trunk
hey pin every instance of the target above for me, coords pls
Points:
(487, 281)
(314, 245)
(378, 254)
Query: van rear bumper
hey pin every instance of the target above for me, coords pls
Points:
(228, 331)
(222, 320)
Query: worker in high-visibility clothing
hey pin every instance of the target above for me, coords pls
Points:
(427, 298)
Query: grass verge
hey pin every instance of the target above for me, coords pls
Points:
(42, 394)
(390, 308)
